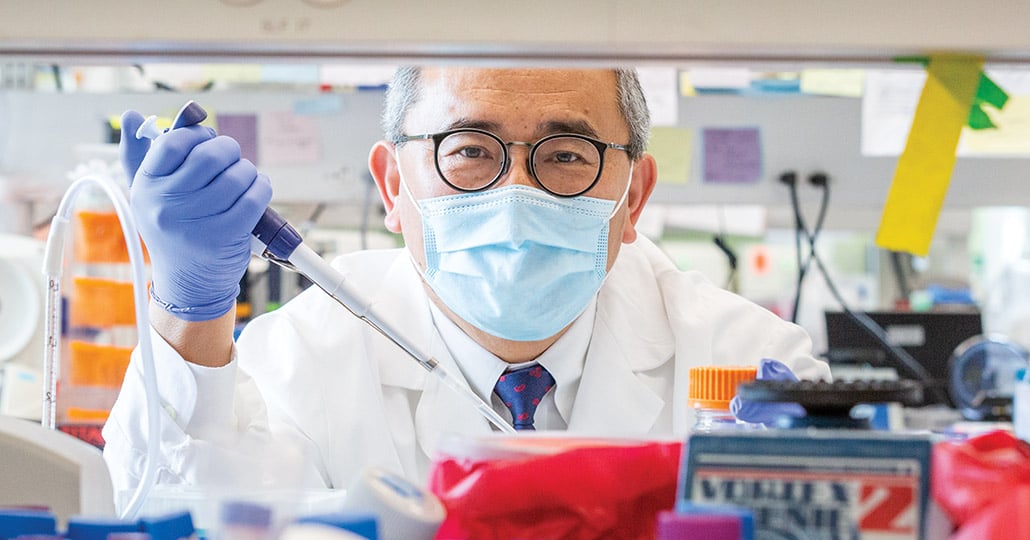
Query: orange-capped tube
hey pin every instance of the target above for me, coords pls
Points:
(712, 387)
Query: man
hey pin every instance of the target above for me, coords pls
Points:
(517, 193)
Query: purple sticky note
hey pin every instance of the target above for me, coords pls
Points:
(732, 155)
(243, 128)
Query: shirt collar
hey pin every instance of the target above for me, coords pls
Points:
(564, 359)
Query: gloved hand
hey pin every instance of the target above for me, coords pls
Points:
(195, 203)
(767, 413)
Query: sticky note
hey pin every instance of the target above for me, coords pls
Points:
(241, 73)
(288, 139)
(659, 87)
(720, 78)
(671, 148)
(354, 75)
(325, 104)
(889, 102)
(686, 85)
(732, 155)
(1011, 136)
(833, 82)
(290, 73)
(244, 128)
(924, 168)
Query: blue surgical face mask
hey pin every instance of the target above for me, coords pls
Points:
(516, 262)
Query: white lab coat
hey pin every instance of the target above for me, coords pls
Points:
(321, 395)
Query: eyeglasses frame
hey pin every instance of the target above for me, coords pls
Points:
(506, 163)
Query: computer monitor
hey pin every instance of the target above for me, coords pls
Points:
(929, 337)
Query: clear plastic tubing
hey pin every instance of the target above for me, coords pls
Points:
(52, 269)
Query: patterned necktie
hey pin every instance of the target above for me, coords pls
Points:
(521, 390)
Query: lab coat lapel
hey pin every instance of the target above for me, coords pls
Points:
(631, 335)
(612, 399)
(439, 410)
(402, 302)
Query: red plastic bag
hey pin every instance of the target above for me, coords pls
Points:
(983, 484)
(611, 491)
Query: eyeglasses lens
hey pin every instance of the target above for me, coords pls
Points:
(564, 165)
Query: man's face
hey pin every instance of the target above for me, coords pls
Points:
(516, 105)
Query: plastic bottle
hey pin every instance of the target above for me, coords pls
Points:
(709, 394)
(245, 521)
(404, 511)
(708, 521)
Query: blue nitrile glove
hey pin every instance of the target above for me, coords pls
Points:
(767, 413)
(195, 203)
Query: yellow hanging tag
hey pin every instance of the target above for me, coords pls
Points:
(924, 168)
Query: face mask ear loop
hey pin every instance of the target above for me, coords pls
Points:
(625, 193)
(418, 208)
(404, 184)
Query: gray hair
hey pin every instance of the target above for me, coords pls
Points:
(405, 89)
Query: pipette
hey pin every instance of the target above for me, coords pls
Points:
(275, 240)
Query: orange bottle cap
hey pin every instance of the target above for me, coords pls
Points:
(712, 387)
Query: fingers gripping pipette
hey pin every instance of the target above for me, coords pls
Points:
(275, 240)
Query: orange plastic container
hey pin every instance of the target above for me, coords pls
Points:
(100, 302)
(97, 365)
(87, 416)
(99, 238)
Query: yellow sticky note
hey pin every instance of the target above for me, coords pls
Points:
(924, 168)
(671, 148)
(686, 86)
(238, 73)
(1010, 138)
(833, 82)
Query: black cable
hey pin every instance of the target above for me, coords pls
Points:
(309, 223)
(56, 71)
(731, 257)
(899, 273)
(818, 179)
(732, 283)
(801, 230)
(900, 356)
(790, 179)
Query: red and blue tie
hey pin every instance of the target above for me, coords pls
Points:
(521, 391)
